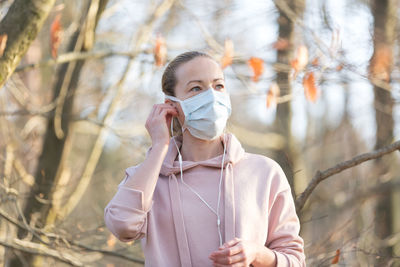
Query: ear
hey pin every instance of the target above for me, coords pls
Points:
(167, 101)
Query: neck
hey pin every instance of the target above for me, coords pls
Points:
(195, 149)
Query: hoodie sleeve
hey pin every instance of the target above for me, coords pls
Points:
(125, 215)
(284, 225)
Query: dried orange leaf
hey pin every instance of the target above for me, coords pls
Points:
(381, 62)
(335, 260)
(315, 62)
(55, 35)
(310, 88)
(300, 60)
(281, 44)
(160, 51)
(228, 54)
(257, 65)
(3, 42)
(272, 95)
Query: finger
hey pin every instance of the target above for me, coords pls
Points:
(172, 113)
(162, 106)
(227, 251)
(156, 116)
(165, 105)
(168, 111)
(168, 108)
(157, 108)
(230, 243)
(167, 116)
(231, 259)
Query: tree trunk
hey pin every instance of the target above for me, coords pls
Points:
(21, 24)
(384, 12)
(286, 156)
(39, 201)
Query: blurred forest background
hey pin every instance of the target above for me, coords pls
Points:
(314, 85)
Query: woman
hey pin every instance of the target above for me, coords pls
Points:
(198, 199)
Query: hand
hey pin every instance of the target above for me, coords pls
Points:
(158, 123)
(236, 252)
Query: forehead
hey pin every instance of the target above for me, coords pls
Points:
(199, 68)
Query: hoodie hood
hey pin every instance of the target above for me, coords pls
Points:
(233, 153)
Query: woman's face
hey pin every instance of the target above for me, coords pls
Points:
(194, 77)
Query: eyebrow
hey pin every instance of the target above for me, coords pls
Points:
(200, 81)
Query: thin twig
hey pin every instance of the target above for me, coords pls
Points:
(11, 219)
(211, 41)
(320, 176)
(27, 226)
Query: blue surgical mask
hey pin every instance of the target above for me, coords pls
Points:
(205, 113)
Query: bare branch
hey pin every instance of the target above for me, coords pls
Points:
(38, 249)
(74, 56)
(320, 176)
(11, 219)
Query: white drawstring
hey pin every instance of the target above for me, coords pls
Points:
(219, 188)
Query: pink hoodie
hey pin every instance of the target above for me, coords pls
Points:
(178, 229)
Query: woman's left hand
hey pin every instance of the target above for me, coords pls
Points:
(236, 252)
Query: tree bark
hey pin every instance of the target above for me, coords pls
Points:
(21, 24)
(286, 156)
(384, 12)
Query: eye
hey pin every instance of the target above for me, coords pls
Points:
(195, 89)
(219, 86)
